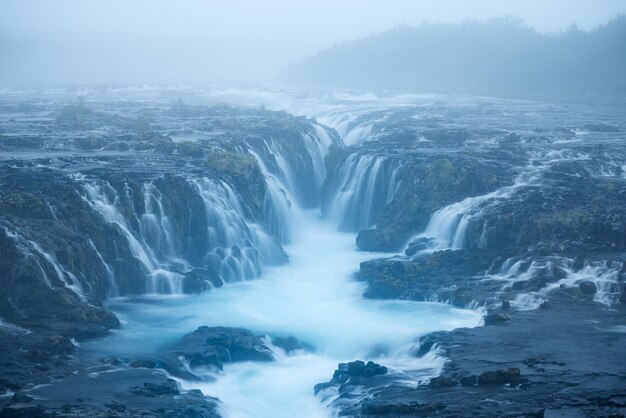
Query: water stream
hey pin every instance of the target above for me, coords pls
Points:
(313, 298)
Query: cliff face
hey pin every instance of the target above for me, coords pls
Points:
(168, 200)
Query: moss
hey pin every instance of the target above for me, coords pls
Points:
(232, 163)
(189, 149)
(442, 167)
(23, 203)
(73, 112)
(164, 145)
(245, 174)
(140, 125)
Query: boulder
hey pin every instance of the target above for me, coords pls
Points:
(214, 346)
(588, 287)
(496, 318)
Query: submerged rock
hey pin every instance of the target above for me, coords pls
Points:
(357, 372)
(214, 346)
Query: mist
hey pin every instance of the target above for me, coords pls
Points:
(129, 42)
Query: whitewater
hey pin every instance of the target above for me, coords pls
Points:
(313, 298)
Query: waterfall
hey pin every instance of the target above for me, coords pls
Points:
(448, 226)
(156, 227)
(232, 246)
(31, 249)
(277, 205)
(114, 289)
(365, 184)
(317, 147)
(105, 200)
(236, 247)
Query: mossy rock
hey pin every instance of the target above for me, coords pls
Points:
(73, 112)
(244, 173)
(189, 149)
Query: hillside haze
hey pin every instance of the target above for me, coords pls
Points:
(500, 57)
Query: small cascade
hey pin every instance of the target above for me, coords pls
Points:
(365, 185)
(230, 245)
(156, 226)
(605, 275)
(277, 206)
(296, 167)
(318, 146)
(114, 289)
(104, 199)
(236, 248)
(447, 227)
(517, 274)
(32, 250)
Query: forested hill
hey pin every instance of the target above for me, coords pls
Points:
(501, 57)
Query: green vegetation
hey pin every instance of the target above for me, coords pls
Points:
(244, 174)
(73, 112)
(501, 57)
(189, 149)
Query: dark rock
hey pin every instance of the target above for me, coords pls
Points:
(469, 380)
(145, 363)
(169, 387)
(588, 287)
(21, 398)
(496, 319)
(416, 409)
(22, 410)
(201, 279)
(289, 344)
(442, 382)
(356, 368)
(116, 406)
(487, 378)
(213, 346)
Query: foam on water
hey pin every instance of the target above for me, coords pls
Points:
(313, 298)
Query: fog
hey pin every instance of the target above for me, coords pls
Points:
(145, 41)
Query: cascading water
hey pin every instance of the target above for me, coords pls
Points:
(448, 226)
(32, 250)
(234, 247)
(312, 298)
(365, 184)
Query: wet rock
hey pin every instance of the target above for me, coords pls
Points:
(374, 408)
(289, 344)
(357, 371)
(201, 279)
(144, 363)
(469, 380)
(169, 387)
(21, 398)
(214, 346)
(116, 406)
(496, 318)
(418, 245)
(442, 382)
(588, 287)
(22, 410)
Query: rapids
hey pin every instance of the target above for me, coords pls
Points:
(313, 298)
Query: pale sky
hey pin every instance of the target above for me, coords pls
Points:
(186, 41)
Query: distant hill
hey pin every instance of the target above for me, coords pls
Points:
(501, 57)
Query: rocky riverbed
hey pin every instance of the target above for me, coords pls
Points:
(509, 210)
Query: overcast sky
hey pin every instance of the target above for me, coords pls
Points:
(188, 41)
